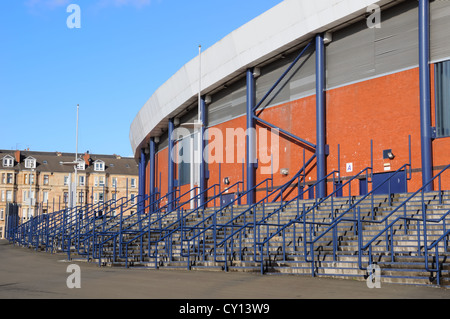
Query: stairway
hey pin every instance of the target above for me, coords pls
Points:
(273, 238)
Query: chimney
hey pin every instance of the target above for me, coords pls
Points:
(17, 156)
(87, 157)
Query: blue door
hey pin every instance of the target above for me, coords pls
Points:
(227, 198)
(338, 189)
(396, 184)
(363, 186)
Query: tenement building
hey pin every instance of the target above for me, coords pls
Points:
(44, 182)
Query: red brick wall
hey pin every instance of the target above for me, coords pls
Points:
(385, 110)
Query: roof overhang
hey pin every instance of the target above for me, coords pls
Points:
(288, 24)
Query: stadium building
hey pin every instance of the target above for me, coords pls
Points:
(313, 140)
(316, 88)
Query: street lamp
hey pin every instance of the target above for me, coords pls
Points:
(73, 188)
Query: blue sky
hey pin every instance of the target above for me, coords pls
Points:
(124, 50)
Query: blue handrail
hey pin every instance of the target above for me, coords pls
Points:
(314, 207)
(423, 219)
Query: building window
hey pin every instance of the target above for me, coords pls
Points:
(82, 180)
(81, 165)
(66, 180)
(99, 166)
(114, 182)
(46, 179)
(2, 214)
(442, 79)
(184, 167)
(133, 183)
(30, 162)
(3, 196)
(26, 196)
(9, 197)
(9, 178)
(66, 197)
(101, 181)
(45, 197)
(133, 199)
(81, 197)
(8, 161)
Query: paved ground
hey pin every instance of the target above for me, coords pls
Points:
(27, 274)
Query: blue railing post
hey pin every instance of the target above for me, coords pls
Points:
(320, 115)
(251, 137)
(425, 89)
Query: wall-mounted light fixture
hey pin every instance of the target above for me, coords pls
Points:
(226, 181)
(284, 171)
(388, 154)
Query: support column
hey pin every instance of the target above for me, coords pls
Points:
(251, 137)
(202, 171)
(152, 161)
(141, 189)
(320, 116)
(425, 93)
(171, 168)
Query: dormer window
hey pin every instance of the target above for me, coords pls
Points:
(30, 162)
(81, 165)
(99, 166)
(8, 161)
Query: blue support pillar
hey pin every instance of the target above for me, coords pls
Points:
(141, 180)
(152, 161)
(425, 93)
(171, 167)
(251, 137)
(202, 173)
(320, 116)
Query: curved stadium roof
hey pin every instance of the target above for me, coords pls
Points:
(288, 24)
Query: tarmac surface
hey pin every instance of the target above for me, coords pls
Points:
(27, 274)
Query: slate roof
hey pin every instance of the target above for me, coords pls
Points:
(51, 162)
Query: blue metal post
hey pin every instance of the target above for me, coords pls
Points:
(320, 116)
(202, 174)
(141, 179)
(251, 138)
(152, 160)
(171, 168)
(425, 99)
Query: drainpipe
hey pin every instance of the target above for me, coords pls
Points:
(251, 137)
(320, 116)
(202, 175)
(425, 99)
